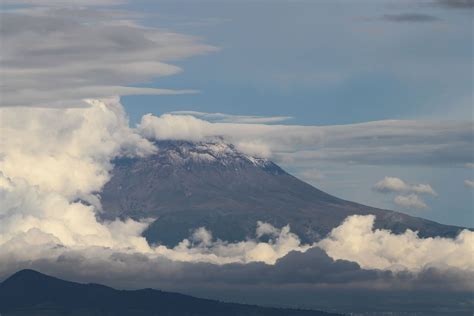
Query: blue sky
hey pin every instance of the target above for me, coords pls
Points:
(327, 63)
(322, 62)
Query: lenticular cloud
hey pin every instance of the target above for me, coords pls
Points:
(53, 163)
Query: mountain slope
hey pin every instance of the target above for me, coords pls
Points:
(187, 185)
(28, 292)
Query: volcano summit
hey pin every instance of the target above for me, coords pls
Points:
(187, 185)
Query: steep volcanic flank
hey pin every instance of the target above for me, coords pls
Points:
(188, 185)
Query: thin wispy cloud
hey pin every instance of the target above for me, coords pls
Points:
(379, 143)
(64, 3)
(409, 17)
(56, 57)
(411, 201)
(229, 118)
(457, 4)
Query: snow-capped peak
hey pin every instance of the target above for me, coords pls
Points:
(216, 152)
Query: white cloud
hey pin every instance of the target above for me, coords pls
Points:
(46, 220)
(67, 150)
(469, 183)
(51, 157)
(390, 184)
(381, 142)
(180, 127)
(411, 201)
(228, 118)
(423, 189)
(393, 184)
(410, 192)
(355, 240)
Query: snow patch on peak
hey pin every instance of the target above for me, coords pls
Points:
(259, 162)
(216, 148)
(202, 157)
(212, 152)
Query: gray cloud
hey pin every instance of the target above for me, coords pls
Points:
(460, 4)
(469, 184)
(62, 3)
(310, 279)
(393, 184)
(371, 143)
(410, 17)
(58, 56)
(45, 227)
(229, 118)
(410, 199)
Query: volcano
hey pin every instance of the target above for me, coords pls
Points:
(187, 185)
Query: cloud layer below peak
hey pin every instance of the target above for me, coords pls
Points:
(54, 161)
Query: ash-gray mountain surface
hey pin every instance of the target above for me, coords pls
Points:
(187, 185)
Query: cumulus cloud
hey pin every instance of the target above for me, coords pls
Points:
(411, 201)
(54, 160)
(382, 142)
(393, 184)
(62, 3)
(469, 183)
(355, 240)
(57, 56)
(390, 184)
(67, 150)
(52, 224)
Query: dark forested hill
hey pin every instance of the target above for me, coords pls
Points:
(31, 293)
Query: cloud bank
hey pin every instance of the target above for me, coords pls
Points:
(355, 240)
(53, 163)
(57, 56)
(381, 142)
(410, 17)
